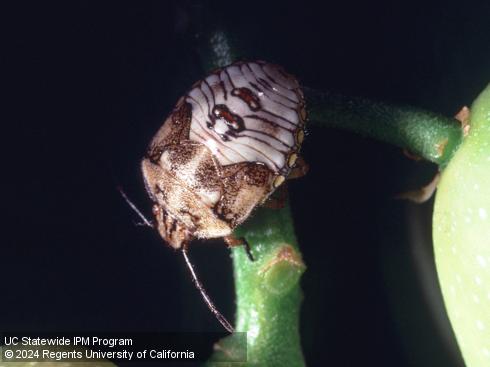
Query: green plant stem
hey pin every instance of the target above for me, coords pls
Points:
(216, 44)
(425, 134)
(267, 290)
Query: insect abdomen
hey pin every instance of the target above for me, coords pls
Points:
(248, 112)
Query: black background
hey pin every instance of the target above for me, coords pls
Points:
(87, 84)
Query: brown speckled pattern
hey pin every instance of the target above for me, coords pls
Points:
(229, 142)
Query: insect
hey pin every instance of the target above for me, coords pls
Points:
(229, 143)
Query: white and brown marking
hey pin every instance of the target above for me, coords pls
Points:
(248, 112)
(227, 145)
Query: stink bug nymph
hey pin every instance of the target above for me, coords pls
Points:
(224, 149)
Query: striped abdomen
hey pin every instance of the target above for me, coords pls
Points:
(249, 112)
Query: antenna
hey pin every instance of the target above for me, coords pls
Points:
(204, 295)
(196, 281)
(146, 222)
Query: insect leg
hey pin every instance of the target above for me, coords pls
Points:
(232, 241)
(300, 169)
(204, 294)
